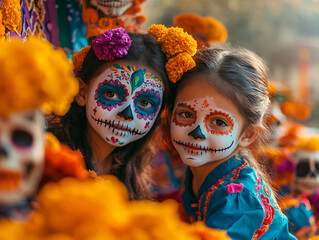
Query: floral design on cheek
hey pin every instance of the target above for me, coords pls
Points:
(146, 103)
(219, 113)
(174, 120)
(117, 94)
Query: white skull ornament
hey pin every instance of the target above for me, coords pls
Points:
(306, 161)
(112, 8)
(21, 155)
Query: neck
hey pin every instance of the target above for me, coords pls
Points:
(200, 173)
(101, 150)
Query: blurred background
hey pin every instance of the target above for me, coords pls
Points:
(285, 33)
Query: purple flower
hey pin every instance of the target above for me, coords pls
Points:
(112, 44)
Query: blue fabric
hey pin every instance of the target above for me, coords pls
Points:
(240, 212)
(298, 217)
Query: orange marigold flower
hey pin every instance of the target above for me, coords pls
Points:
(177, 41)
(297, 110)
(141, 19)
(206, 30)
(79, 57)
(89, 15)
(190, 22)
(135, 8)
(2, 31)
(179, 64)
(61, 161)
(41, 77)
(309, 143)
(2, 28)
(214, 30)
(157, 30)
(200, 231)
(271, 88)
(93, 32)
(11, 14)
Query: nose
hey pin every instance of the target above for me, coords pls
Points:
(126, 113)
(3, 152)
(197, 133)
(313, 175)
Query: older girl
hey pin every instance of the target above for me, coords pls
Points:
(123, 88)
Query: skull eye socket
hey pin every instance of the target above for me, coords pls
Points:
(303, 168)
(21, 138)
(317, 166)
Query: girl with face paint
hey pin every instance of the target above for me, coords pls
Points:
(113, 118)
(217, 117)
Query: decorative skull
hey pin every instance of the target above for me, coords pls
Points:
(112, 8)
(21, 155)
(307, 168)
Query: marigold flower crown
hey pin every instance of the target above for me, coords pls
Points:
(178, 45)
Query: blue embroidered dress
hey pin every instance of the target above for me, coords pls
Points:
(234, 198)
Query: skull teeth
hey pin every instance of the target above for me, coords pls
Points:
(9, 179)
(111, 124)
(201, 148)
(113, 4)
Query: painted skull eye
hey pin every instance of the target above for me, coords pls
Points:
(185, 114)
(317, 166)
(21, 138)
(220, 123)
(111, 95)
(303, 168)
(145, 104)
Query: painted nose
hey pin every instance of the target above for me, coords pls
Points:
(3, 152)
(313, 175)
(126, 113)
(197, 133)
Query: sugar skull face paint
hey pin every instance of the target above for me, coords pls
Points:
(21, 155)
(123, 103)
(204, 129)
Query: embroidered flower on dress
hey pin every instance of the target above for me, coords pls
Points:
(112, 44)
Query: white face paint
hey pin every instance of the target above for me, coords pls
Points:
(123, 103)
(202, 132)
(21, 155)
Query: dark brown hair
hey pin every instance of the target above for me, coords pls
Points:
(240, 75)
(130, 163)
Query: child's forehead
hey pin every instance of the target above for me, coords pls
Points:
(131, 65)
(198, 93)
(197, 87)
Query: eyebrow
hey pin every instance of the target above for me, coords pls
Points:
(185, 105)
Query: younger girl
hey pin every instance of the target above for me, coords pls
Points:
(123, 88)
(218, 114)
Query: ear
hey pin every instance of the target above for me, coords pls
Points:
(249, 136)
(81, 98)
